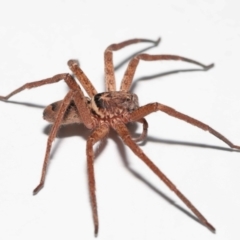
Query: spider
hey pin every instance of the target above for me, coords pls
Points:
(111, 109)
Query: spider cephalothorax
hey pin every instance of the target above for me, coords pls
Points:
(111, 109)
(112, 101)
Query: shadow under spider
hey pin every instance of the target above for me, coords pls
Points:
(26, 104)
(152, 76)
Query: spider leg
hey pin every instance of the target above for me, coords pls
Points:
(54, 79)
(110, 83)
(96, 136)
(129, 74)
(52, 135)
(144, 132)
(153, 107)
(124, 134)
(84, 113)
(80, 101)
(87, 85)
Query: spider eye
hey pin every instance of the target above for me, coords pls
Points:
(98, 101)
(54, 106)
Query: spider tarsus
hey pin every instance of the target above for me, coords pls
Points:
(37, 189)
(73, 62)
(96, 231)
(4, 99)
(236, 147)
(211, 228)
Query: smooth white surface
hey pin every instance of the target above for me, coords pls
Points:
(37, 40)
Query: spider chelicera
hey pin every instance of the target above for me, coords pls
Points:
(111, 109)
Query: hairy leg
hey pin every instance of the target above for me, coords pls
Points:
(124, 134)
(64, 76)
(96, 135)
(153, 107)
(129, 74)
(84, 112)
(35, 84)
(79, 100)
(144, 132)
(51, 137)
(87, 85)
(110, 83)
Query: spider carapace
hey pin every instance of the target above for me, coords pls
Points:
(111, 109)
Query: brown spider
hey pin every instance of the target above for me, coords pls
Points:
(111, 109)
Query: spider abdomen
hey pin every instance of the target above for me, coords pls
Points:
(50, 113)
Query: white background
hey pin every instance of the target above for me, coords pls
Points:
(37, 39)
